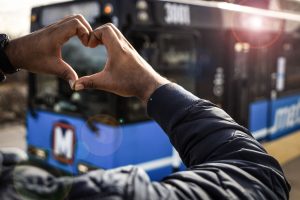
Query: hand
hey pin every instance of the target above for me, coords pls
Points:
(40, 52)
(126, 73)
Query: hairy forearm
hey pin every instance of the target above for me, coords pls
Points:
(15, 52)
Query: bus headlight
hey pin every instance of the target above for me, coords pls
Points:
(38, 152)
(82, 168)
(142, 5)
(143, 16)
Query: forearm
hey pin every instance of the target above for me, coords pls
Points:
(15, 51)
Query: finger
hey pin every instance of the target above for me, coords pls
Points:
(96, 40)
(116, 30)
(71, 28)
(95, 81)
(105, 35)
(69, 18)
(66, 72)
(120, 35)
(84, 22)
(80, 18)
(93, 41)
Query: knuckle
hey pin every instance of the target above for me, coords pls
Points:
(71, 16)
(76, 22)
(107, 28)
(79, 16)
(124, 50)
(110, 24)
(90, 84)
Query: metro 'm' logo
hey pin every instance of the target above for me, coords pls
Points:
(63, 142)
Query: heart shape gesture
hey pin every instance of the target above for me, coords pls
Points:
(126, 73)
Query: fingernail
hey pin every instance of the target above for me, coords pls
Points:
(71, 82)
(79, 86)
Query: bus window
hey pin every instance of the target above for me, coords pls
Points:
(84, 60)
(178, 59)
(292, 74)
(51, 14)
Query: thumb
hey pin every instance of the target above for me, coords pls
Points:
(95, 81)
(66, 72)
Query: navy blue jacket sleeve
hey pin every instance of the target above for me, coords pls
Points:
(214, 146)
(224, 161)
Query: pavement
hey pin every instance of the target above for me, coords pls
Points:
(13, 135)
(291, 170)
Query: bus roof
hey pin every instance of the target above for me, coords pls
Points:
(240, 9)
(203, 14)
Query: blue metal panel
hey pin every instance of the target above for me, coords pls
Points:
(137, 143)
(146, 141)
(270, 120)
(160, 173)
(285, 116)
(258, 115)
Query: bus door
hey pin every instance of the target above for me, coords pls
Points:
(260, 82)
(237, 80)
(210, 73)
(249, 79)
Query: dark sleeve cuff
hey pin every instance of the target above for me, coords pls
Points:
(2, 76)
(167, 102)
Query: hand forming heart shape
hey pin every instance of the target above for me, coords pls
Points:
(40, 52)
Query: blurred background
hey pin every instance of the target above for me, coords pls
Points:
(242, 58)
(15, 22)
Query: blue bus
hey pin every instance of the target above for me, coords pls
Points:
(243, 59)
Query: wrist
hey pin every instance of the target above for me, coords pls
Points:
(150, 87)
(13, 52)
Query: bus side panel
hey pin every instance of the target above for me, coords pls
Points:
(146, 145)
(143, 144)
(258, 118)
(40, 131)
(285, 116)
(270, 120)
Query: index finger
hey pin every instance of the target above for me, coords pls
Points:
(105, 35)
(80, 18)
(70, 28)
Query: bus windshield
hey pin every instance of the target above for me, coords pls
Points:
(84, 60)
(55, 94)
(178, 59)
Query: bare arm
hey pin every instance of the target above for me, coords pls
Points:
(40, 51)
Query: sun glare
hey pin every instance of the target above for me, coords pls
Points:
(256, 23)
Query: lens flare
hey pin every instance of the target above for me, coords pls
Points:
(256, 23)
(255, 30)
